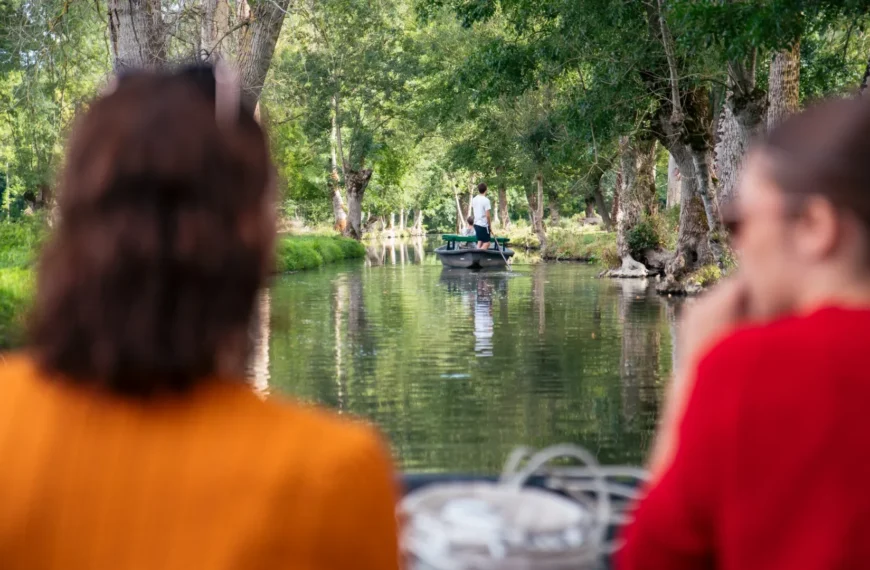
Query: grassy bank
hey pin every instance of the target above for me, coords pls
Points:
(568, 241)
(19, 243)
(295, 253)
(16, 288)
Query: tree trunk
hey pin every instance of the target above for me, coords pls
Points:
(503, 206)
(257, 46)
(617, 190)
(357, 181)
(697, 134)
(730, 151)
(743, 116)
(137, 33)
(536, 211)
(392, 221)
(334, 182)
(471, 193)
(554, 210)
(784, 85)
(636, 199)
(693, 248)
(402, 219)
(418, 222)
(460, 214)
(338, 208)
(590, 207)
(600, 205)
(213, 30)
(674, 183)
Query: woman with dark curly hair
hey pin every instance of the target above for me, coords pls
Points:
(129, 437)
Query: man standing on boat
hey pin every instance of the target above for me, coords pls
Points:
(481, 207)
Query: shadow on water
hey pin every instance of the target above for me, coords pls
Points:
(457, 367)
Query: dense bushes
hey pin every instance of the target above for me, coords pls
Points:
(642, 237)
(307, 252)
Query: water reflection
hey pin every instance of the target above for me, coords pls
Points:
(258, 365)
(394, 251)
(458, 367)
(478, 288)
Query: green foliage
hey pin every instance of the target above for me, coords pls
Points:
(521, 236)
(294, 253)
(16, 289)
(351, 249)
(576, 244)
(646, 234)
(20, 241)
(706, 276)
(610, 256)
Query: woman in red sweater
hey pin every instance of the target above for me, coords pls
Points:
(763, 457)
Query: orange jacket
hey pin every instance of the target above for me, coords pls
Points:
(215, 479)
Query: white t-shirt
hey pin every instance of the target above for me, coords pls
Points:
(480, 206)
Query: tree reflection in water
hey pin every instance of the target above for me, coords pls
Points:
(458, 367)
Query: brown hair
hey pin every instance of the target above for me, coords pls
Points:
(470, 219)
(825, 151)
(149, 281)
(481, 187)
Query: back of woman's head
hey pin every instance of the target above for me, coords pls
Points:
(165, 235)
(824, 151)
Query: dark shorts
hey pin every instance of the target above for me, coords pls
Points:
(482, 233)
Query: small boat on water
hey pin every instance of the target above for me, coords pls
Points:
(460, 251)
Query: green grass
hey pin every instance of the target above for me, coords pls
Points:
(568, 241)
(706, 276)
(591, 246)
(295, 253)
(19, 244)
(16, 288)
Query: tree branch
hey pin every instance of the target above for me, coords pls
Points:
(667, 42)
(243, 23)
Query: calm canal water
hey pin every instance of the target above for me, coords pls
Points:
(459, 367)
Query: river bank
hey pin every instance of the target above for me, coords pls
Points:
(19, 246)
(567, 241)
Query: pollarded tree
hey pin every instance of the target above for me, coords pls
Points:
(149, 33)
(743, 37)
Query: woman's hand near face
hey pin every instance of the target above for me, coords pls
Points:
(703, 324)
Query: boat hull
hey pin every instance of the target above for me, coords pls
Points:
(473, 258)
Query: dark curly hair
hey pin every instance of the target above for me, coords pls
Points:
(166, 230)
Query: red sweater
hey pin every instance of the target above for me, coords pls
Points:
(772, 471)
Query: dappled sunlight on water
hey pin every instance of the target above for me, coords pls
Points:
(458, 367)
